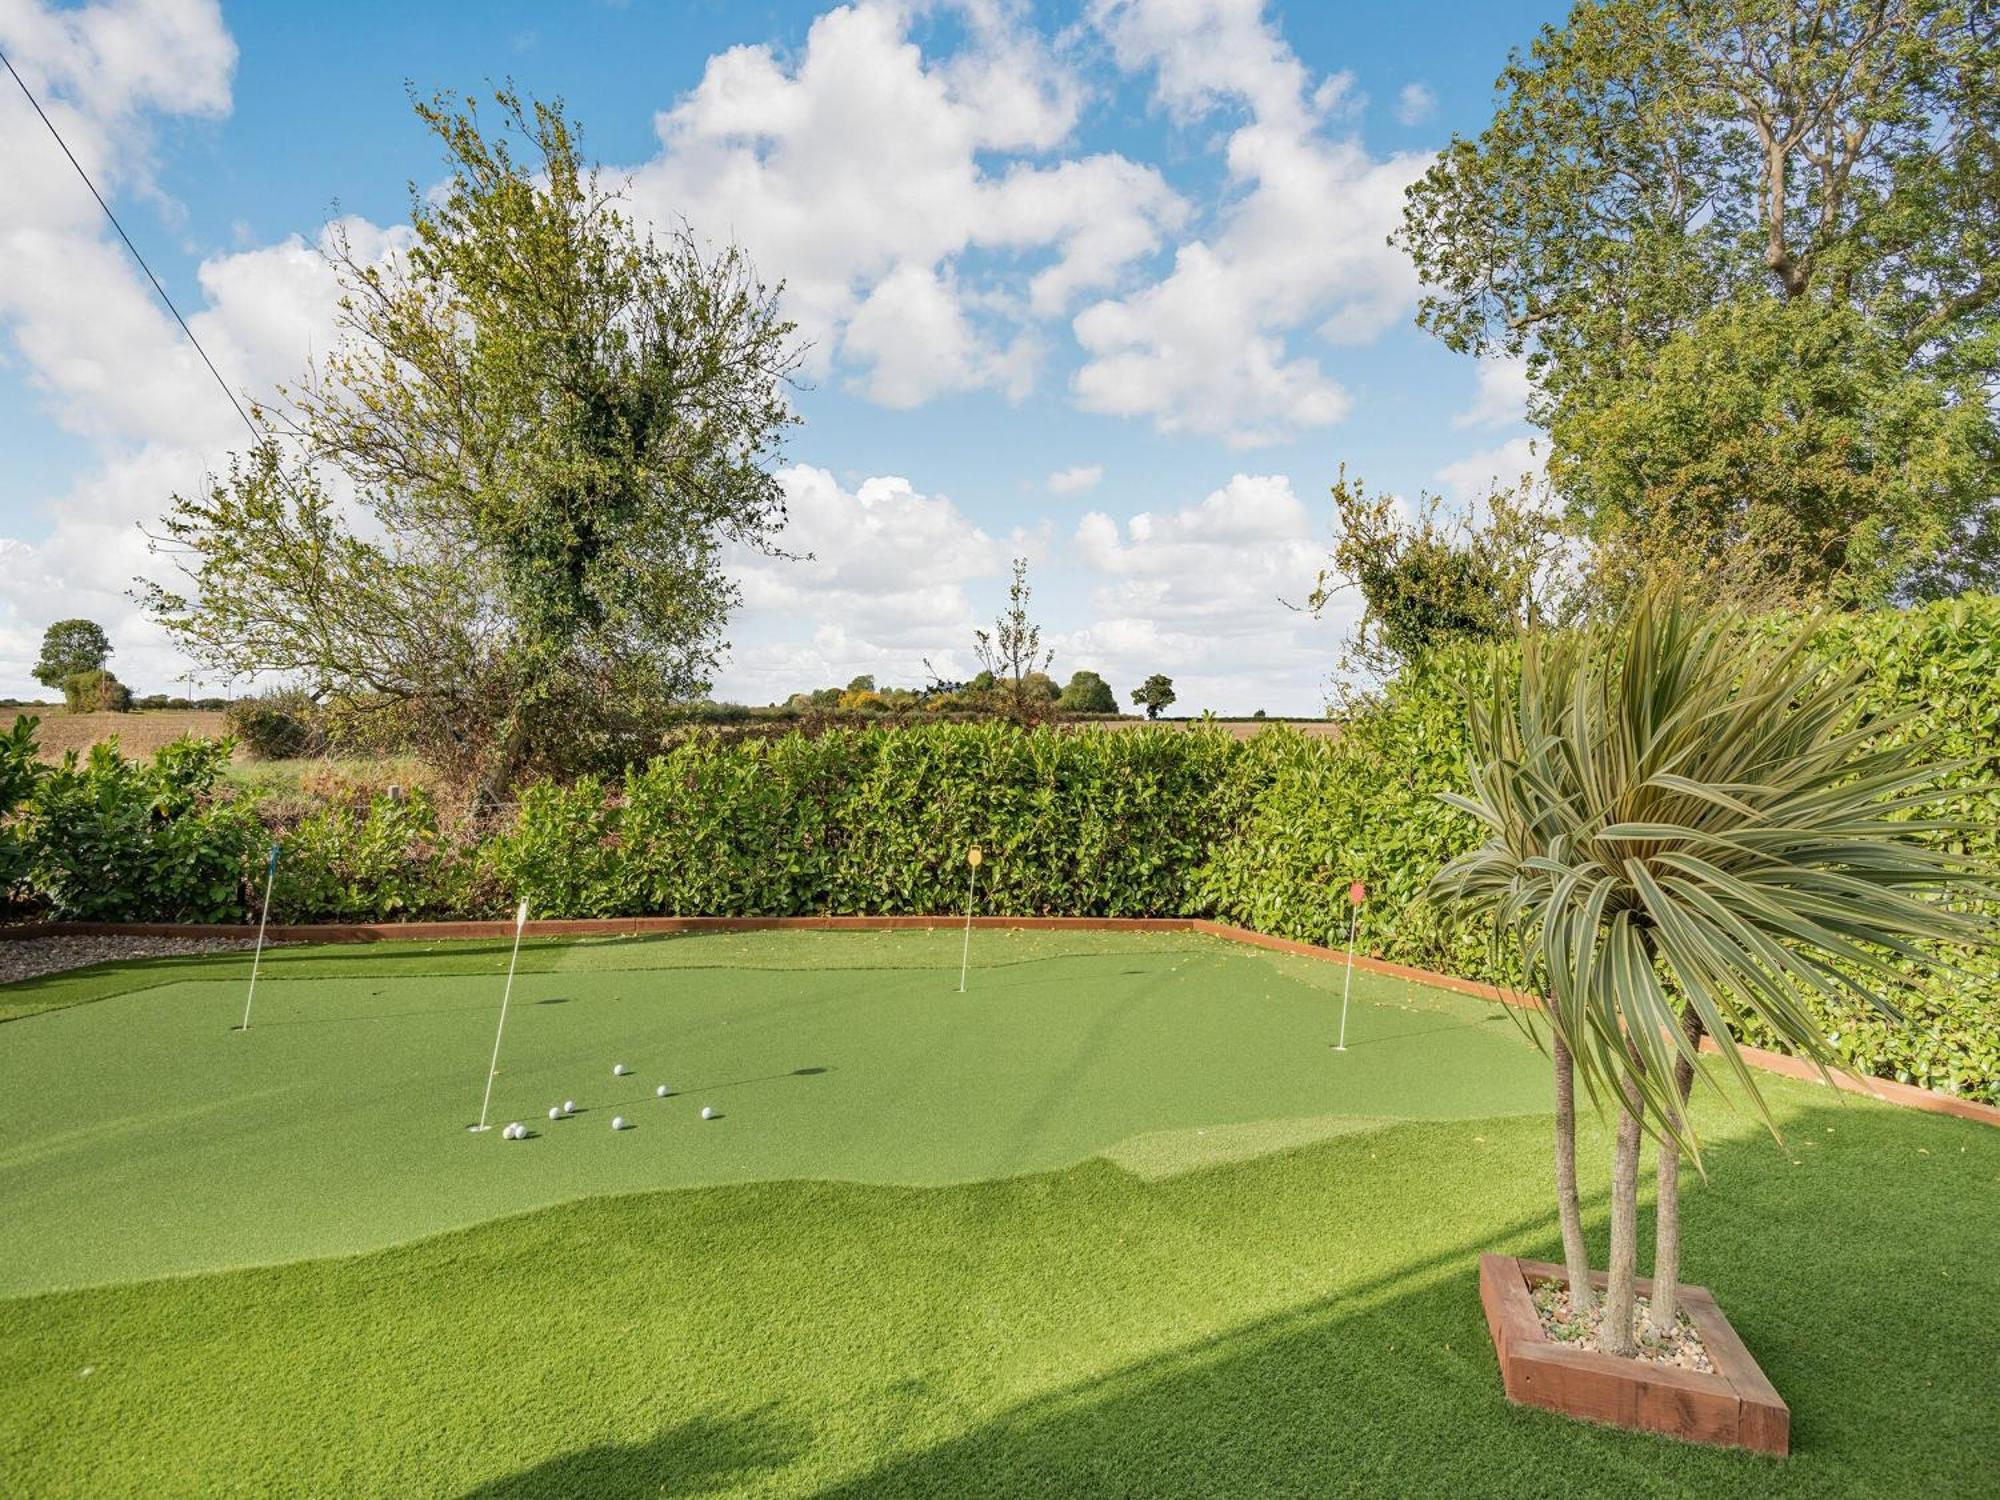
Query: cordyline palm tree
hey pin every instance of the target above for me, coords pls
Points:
(1687, 830)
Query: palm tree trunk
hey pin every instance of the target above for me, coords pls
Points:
(1615, 1331)
(1576, 1253)
(1664, 1307)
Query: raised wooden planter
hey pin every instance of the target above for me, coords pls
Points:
(1733, 1407)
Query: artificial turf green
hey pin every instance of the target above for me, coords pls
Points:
(1289, 1312)
(157, 1140)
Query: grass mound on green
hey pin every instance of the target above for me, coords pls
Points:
(1275, 1293)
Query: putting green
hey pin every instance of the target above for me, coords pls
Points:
(1123, 1225)
(156, 1139)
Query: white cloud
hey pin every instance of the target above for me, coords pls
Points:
(1205, 594)
(1207, 348)
(1074, 481)
(1501, 396)
(1415, 104)
(1470, 478)
(883, 588)
(855, 173)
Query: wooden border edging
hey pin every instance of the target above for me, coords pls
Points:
(1909, 1096)
(1734, 1406)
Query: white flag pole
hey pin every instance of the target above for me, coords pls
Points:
(1356, 894)
(972, 858)
(493, 1068)
(270, 874)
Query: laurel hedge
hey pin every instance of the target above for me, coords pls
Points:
(1134, 822)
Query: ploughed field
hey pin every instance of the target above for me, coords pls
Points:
(1116, 1220)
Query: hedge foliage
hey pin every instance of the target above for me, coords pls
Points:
(1128, 822)
(104, 838)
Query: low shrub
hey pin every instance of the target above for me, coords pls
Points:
(111, 839)
(95, 691)
(20, 770)
(283, 724)
(387, 859)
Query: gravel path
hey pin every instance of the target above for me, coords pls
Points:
(29, 958)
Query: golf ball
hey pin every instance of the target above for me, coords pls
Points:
(555, 1111)
(516, 1131)
(662, 1091)
(569, 1106)
(619, 1070)
(708, 1112)
(617, 1122)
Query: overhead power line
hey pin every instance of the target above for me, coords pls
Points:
(28, 93)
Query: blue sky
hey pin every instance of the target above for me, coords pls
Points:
(1103, 285)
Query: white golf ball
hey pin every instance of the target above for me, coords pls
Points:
(555, 1111)
(707, 1112)
(516, 1131)
(617, 1122)
(661, 1092)
(619, 1070)
(569, 1106)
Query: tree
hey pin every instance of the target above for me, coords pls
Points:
(865, 683)
(1012, 653)
(1155, 694)
(1684, 830)
(1657, 174)
(69, 647)
(1429, 579)
(1087, 693)
(1791, 435)
(553, 424)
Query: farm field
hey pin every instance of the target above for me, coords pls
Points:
(138, 733)
(1117, 1219)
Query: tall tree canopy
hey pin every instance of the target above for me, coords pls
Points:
(1825, 169)
(70, 647)
(552, 422)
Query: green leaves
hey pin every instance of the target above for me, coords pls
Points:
(109, 839)
(1683, 812)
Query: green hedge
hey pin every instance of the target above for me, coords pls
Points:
(1132, 822)
(878, 821)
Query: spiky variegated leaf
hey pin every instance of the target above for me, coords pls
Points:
(1682, 814)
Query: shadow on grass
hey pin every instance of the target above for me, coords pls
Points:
(1866, 1295)
(703, 1455)
(1875, 1338)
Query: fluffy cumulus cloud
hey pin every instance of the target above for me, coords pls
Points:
(859, 172)
(1212, 347)
(877, 580)
(1207, 594)
(1415, 103)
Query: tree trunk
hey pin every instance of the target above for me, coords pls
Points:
(1615, 1332)
(1576, 1253)
(1664, 1307)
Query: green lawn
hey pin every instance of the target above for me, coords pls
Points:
(1119, 1221)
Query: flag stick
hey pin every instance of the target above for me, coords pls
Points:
(493, 1069)
(270, 874)
(1348, 986)
(972, 858)
(1356, 894)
